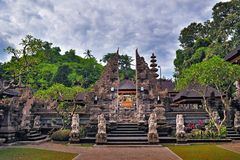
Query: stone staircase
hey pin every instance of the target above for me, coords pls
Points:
(35, 135)
(127, 134)
(232, 134)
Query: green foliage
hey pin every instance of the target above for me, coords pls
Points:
(218, 36)
(61, 135)
(82, 131)
(59, 90)
(40, 66)
(214, 72)
(125, 63)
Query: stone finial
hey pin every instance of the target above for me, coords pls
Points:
(75, 134)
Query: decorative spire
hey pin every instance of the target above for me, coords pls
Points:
(153, 65)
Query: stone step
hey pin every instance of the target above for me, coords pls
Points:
(34, 134)
(127, 143)
(127, 129)
(127, 132)
(233, 135)
(234, 138)
(126, 135)
(37, 138)
(128, 126)
(231, 132)
(33, 131)
(127, 138)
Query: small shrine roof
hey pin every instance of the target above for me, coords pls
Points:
(127, 85)
(232, 55)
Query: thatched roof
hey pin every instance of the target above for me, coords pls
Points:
(232, 55)
(190, 95)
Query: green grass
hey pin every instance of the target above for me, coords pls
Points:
(203, 152)
(33, 154)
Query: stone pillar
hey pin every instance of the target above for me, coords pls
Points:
(180, 133)
(101, 137)
(75, 134)
(152, 129)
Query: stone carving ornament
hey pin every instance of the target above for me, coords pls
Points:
(74, 134)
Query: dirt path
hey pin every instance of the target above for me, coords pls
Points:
(110, 153)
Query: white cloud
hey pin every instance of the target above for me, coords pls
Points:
(104, 25)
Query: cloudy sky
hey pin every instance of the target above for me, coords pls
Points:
(103, 25)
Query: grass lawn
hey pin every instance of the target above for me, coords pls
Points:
(203, 152)
(33, 154)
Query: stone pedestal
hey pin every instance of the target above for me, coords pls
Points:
(101, 138)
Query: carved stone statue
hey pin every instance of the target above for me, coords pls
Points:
(140, 114)
(180, 133)
(152, 129)
(160, 112)
(101, 136)
(37, 123)
(237, 120)
(74, 134)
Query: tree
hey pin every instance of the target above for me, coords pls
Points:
(88, 54)
(218, 36)
(216, 73)
(62, 75)
(22, 61)
(125, 64)
(58, 96)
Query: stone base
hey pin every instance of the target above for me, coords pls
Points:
(181, 140)
(101, 138)
(74, 137)
(153, 138)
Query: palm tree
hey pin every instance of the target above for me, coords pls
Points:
(88, 54)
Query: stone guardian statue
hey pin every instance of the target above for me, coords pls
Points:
(152, 129)
(101, 136)
(75, 134)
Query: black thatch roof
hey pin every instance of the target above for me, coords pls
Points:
(235, 53)
(127, 85)
(189, 93)
(11, 92)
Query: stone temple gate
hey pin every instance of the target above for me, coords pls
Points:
(127, 100)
